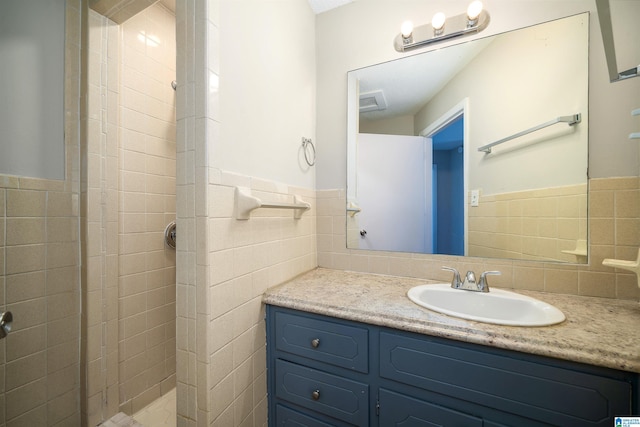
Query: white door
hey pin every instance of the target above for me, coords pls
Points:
(394, 192)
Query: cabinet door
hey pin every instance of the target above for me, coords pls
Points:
(399, 410)
(537, 391)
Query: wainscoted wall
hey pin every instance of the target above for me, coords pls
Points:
(40, 277)
(614, 232)
(225, 264)
(246, 258)
(531, 225)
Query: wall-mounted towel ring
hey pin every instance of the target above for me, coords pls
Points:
(306, 142)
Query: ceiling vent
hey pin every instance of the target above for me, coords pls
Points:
(372, 101)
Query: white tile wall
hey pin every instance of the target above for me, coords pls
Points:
(245, 258)
(147, 205)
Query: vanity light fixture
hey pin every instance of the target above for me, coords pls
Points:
(473, 12)
(406, 30)
(442, 28)
(437, 22)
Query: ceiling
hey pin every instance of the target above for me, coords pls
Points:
(320, 6)
(169, 4)
(409, 83)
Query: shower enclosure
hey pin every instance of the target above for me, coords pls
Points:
(83, 265)
(131, 168)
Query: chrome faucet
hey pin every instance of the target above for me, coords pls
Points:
(469, 283)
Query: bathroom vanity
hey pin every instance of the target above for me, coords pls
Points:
(351, 349)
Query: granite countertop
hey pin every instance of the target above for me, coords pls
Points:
(597, 331)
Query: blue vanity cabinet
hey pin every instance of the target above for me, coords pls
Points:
(318, 370)
(324, 371)
(540, 391)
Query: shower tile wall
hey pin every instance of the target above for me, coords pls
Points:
(100, 224)
(39, 277)
(129, 330)
(614, 232)
(147, 267)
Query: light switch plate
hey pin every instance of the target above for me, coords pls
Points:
(475, 198)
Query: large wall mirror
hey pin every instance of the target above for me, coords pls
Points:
(420, 176)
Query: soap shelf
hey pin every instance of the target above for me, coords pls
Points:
(635, 135)
(246, 203)
(633, 266)
(353, 209)
(580, 251)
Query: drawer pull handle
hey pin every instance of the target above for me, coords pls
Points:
(315, 343)
(315, 395)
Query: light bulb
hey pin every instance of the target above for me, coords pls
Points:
(437, 22)
(406, 29)
(474, 10)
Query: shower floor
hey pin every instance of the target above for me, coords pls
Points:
(159, 413)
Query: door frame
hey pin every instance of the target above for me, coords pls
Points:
(459, 109)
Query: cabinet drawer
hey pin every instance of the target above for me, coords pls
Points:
(319, 391)
(333, 343)
(400, 410)
(546, 393)
(290, 418)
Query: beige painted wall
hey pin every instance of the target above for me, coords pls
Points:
(267, 104)
(613, 231)
(609, 104)
(502, 101)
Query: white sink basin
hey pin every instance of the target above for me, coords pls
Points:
(497, 306)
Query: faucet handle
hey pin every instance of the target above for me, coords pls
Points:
(470, 277)
(483, 284)
(456, 282)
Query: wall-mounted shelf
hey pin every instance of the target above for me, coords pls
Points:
(633, 266)
(245, 203)
(580, 251)
(353, 209)
(635, 135)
